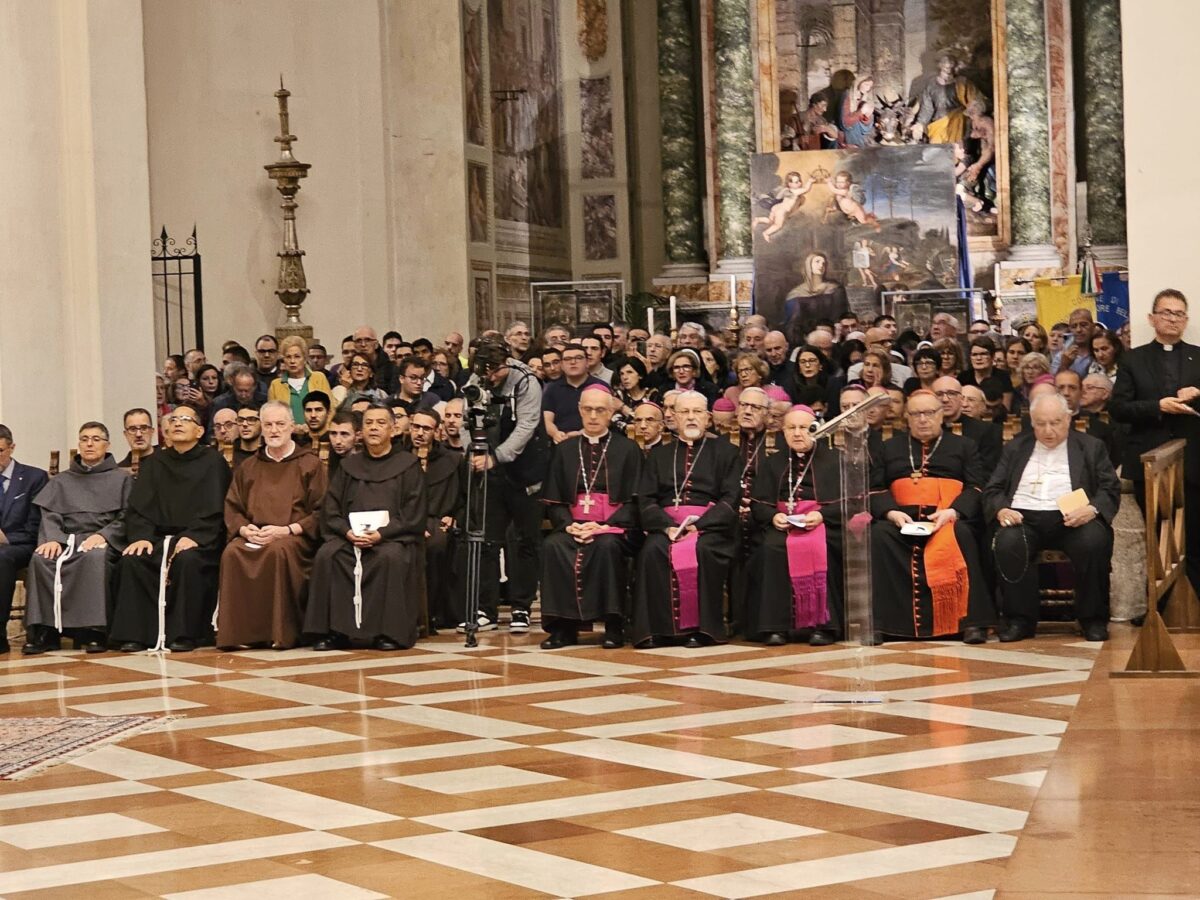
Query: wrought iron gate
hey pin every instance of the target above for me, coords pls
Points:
(178, 295)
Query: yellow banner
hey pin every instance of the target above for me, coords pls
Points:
(1057, 299)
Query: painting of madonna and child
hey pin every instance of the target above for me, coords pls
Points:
(833, 229)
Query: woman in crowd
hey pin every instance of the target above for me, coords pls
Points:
(1015, 349)
(632, 389)
(949, 356)
(358, 383)
(876, 370)
(296, 379)
(982, 369)
(1106, 352)
(1033, 366)
(751, 371)
(1036, 335)
(683, 374)
(811, 368)
(446, 365)
(925, 364)
(716, 367)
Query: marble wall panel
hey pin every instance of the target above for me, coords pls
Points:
(596, 112)
(599, 226)
(681, 174)
(1103, 111)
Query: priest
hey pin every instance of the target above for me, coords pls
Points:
(166, 585)
(928, 586)
(79, 540)
(795, 574)
(688, 497)
(368, 580)
(589, 497)
(441, 469)
(271, 514)
(648, 426)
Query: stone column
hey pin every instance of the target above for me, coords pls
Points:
(679, 115)
(1029, 133)
(1104, 124)
(733, 75)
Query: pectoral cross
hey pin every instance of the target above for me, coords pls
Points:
(587, 503)
(678, 500)
(791, 507)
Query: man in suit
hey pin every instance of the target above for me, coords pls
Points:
(1022, 498)
(1156, 391)
(987, 436)
(19, 521)
(1068, 383)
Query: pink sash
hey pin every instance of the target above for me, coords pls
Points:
(686, 568)
(807, 567)
(602, 509)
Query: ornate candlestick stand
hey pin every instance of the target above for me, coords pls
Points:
(287, 172)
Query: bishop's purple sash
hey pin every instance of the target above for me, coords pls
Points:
(808, 565)
(601, 509)
(686, 567)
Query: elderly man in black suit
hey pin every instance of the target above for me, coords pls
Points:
(19, 522)
(1156, 394)
(1038, 471)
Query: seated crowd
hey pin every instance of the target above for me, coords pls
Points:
(670, 491)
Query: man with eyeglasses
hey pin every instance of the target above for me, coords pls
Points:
(266, 360)
(928, 586)
(518, 337)
(560, 399)
(81, 535)
(987, 437)
(249, 425)
(139, 435)
(1157, 393)
(175, 513)
(658, 352)
(412, 394)
(224, 428)
(441, 469)
(366, 342)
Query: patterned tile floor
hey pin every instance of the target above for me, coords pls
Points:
(511, 772)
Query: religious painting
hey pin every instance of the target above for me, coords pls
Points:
(482, 301)
(523, 57)
(833, 229)
(899, 73)
(576, 304)
(596, 112)
(473, 74)
(912, 315)
(554, 308)
(594, 307)
(477, 214)
(599, 226)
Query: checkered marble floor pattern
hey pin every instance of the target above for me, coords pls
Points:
(510, 772)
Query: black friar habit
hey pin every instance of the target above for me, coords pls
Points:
(589, 480)
(442, 468)
(180, 495)
(393, 571)
(906, 603)
(79, 502)
(705, 474)
(776, 604)
(753, 449)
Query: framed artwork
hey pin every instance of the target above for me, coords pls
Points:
(482, 301)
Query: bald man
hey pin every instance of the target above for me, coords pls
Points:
(648, 426)
(987, 437)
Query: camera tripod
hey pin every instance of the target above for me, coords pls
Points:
(475, 530)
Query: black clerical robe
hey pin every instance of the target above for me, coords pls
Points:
(589, 481)
(77, 504)
(175, 495)
(442, 470)
(911, 597)
(393, 571)
(779, 594)
(752, 448)
(679, 591)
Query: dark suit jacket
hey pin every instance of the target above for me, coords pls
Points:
(1087, 458)
(988, 438)
(1134, 402)
(19, 518)
(1096, 427)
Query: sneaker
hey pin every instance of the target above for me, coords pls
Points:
(520, 621)
(483, 623)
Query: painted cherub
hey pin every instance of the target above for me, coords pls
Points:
(849, 197)
(787, 201)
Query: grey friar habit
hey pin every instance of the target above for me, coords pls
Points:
(393, 571)
(79, 502)
(178, 495)
(587, 582)
(263, 591)
(705, 474)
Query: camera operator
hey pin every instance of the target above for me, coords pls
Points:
(517, 456)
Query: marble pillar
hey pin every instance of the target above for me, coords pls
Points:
(1104, 123)
(733, 75)
(1028, 132)
(681, 174)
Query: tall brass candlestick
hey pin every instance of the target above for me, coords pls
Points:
(287, 172)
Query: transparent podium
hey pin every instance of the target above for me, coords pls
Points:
(851, 432)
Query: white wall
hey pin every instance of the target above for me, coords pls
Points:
(75, 339)
(1160, 65)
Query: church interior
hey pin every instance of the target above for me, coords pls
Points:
(181, 175)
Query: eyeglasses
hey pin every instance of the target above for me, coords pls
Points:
(679, 367)
(416, 427)
(926, 362)
(594, 410)
(758, 406)
(1176, 314)
(574, 357)
(243, 420)
(360, 365)
(89, 439)
(191, 419)
(809, 361)
(139, 429)
(942, 395)
(923, 413)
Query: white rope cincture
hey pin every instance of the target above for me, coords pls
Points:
(358, 587)
(216, 611)
(62, 558)
(160, 645)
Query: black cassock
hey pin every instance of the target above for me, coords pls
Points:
(587, 582)
(903, 598)
(771, 606)
(696, 475)
(442, 471)
(393, 571)
(752, 448)
(178, 495)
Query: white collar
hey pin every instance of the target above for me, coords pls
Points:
(594, 440)
(291, 448)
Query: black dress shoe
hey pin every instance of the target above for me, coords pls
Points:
(974, 634)
(383, 642)
(95, 647)
(332, 641)
(182, 645)
(823, 637)
(693, 642)
(1096, 630)
(775, 639)
(646, 643)
(132, 647)
(1017, 630)
(614, 638)
(558, 639)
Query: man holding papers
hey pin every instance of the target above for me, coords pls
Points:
(1053, 489)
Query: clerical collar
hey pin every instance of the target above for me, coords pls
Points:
(291, 448)
(1168, 348)
(594, 440)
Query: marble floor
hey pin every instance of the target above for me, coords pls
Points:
(511, 772)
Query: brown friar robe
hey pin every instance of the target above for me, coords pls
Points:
(263, 591)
